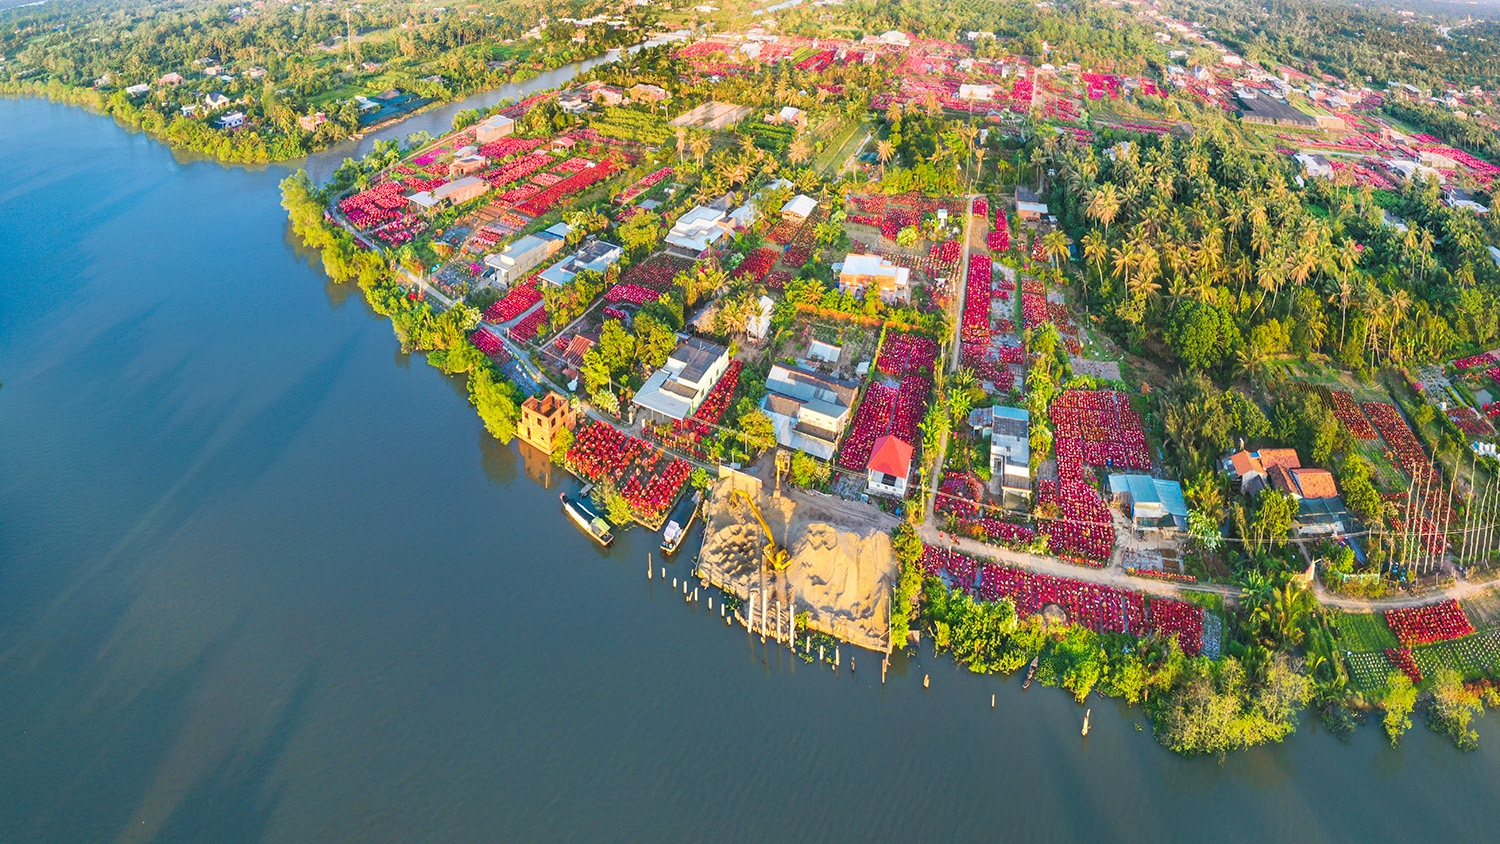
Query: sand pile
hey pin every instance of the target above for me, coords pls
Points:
(841, 567)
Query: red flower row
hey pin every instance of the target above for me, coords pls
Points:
(1433, 623)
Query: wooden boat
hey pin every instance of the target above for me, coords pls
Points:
(678, 523)
(584, 516)
(1031, 672)
(1086, 715)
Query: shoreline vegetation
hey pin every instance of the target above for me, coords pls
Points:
(188, 68)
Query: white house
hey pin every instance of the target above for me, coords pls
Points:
(799, 208)
(216, 100)
(232, 120)
(983, 93)
(493, 128)
(596, 255)
(808, 410)
(699, 229)
(677, 390)
(890, 467)
(137, 90)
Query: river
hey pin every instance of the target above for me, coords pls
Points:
(264, 578)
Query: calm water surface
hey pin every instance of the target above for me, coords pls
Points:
(263, 578)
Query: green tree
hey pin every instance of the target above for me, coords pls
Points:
(1398, 699)
(495, 399)
(1453, 708)
(1202, 336)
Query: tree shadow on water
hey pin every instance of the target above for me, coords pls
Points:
(233, 804)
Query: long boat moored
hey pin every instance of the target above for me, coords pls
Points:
(584, 516)
(678, 523)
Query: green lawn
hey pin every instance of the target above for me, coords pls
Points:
(1364, 632)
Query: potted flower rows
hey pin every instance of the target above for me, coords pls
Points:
(1487, 359)
(800, 249)
(543, 202)
(507, 147)
(999, 236)
(633, 294)
(1402, 659)
(642, 185)
(513, 303)
(1468, 421)
(1082, 525)
(1103, 609)
(1006, 532)
(1408, 452)
(517, 169)
(981, 208)
(1347, 411)
(870, 422)
(488, 343)
(657, 273)
(975, 320)
(960, 495)
(1433, 623)
(758, 263)
(527, 328)
(903, 353)
(648, 480)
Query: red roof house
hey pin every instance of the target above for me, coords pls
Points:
(890, 466)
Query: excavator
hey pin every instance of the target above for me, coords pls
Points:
(776, 556)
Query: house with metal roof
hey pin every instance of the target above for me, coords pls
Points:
(1153, 504)
(676, 390)
(521, 257)
(596, 255)
(1010, 451)
(808, 409)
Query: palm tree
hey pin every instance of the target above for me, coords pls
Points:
(1104, 205)
(681, 142)
(884, 149)
(1096, 249)
(799, 151)
(1056, 245)
(1399, 301)
(1345, 288)
(700, 145)
(1124, 258)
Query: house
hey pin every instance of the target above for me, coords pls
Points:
(596, 255)
(971, 92)
(311, 122)
(1252, 471)
(1314, 166)
(1010, 451)
(808, 410)
(698, 230)
(676, 391)
(571, 103)
(522, 256)
(172, 79)
(216, 100)
(542, 417)
(455, 192)
(1460, 199)
(644, 93)
(1153, 504)
(493, 128)
(890, 467)
(859, 272)
(1029, 206)
(798, 208)
(1266, 110)
(1315, 483)
(465, 164)
(563, 142)
(137, 90)
(1323, 517)
(790, 114)
(609, 95)
(232, 120)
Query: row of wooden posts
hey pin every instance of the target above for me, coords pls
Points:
(765, 631)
